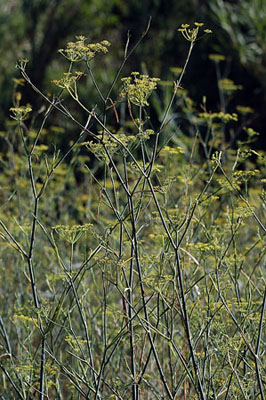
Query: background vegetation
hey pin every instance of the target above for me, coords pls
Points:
(132, 219)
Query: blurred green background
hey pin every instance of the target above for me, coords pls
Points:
(36, 29)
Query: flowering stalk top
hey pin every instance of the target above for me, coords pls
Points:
(191, 34)
(138, 88)
(79, 50)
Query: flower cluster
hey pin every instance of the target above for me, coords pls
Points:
(244, 110)
(71, 233)
(145, 135)
(225, 117)
(171, 151)
(228, 85)
(192, 34)
(79, 50)
(68, 81)
(138, 88)
(110, 143)
(216, 57)
(205, 247)
(20, 113)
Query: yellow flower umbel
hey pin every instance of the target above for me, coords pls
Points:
(138, 88)
(79, 50)
(69, 81)
(216, 57)
(72, 233)
(20, 113)
(191, 34)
